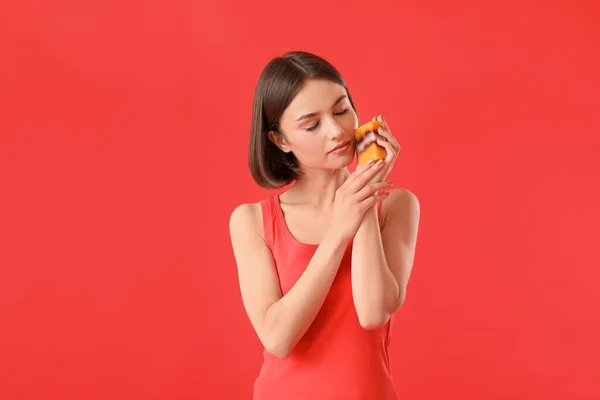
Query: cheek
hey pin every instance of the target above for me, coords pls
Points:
(352, 121)
(313, 152)
(307, 146)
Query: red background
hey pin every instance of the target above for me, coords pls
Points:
(123, 151)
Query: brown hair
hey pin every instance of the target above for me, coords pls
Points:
(278, 84)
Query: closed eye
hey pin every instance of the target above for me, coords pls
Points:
(312, 128)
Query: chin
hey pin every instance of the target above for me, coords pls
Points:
(346, 160)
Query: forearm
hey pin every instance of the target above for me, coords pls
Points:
(374, 288)
(287, 320)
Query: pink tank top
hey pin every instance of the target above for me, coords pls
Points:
(336, 358)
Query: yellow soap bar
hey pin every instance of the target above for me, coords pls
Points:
(373, 152)
(366, 146)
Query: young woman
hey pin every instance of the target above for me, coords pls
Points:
(324, 265)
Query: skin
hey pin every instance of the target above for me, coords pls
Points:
(322, 208)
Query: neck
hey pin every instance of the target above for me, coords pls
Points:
(317, 187)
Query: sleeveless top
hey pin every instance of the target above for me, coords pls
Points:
(336, 358)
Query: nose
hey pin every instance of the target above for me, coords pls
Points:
(336, 131)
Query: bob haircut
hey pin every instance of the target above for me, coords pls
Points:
(278, 84)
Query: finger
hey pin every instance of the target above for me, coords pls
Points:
(380, 136)
(385, 132)
(362, 168)
(385, 124)
(371, 201)
(372, 188)
(360, 181)
(390, 150)
(358, 172)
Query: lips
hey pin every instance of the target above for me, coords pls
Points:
(339, 146)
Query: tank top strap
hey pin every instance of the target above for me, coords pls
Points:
(268, 218)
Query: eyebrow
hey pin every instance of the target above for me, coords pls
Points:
(342, 97)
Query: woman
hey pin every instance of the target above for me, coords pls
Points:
(324, 265)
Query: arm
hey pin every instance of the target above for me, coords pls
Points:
(382, 259)
(279, 321)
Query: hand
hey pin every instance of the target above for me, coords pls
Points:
(391, 146)
(356, 195)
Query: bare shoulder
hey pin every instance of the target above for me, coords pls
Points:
(401, 202)
(246, 219)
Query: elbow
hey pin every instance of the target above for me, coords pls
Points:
(398, 302)
(278, 348)
(373, 321)
(279, 351)
(276, 340)
(401, 298)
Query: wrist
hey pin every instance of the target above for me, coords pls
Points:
(371, 214)
(337, 236)
(369, 221)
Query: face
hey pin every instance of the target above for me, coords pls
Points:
(317, 120)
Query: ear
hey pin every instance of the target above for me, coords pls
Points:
(279, 141)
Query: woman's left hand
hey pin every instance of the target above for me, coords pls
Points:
(391, 146)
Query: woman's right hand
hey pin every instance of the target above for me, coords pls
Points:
(356, 195)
